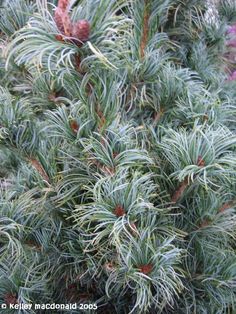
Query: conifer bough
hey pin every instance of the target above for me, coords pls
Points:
(118, 156)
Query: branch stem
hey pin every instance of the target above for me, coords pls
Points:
(37, 165)
(144, 38)
(227, 206)
(180, 190)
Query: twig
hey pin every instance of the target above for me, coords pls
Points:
(144, 38)
(158, 115)
(227, 206)
(37, 165)
(180, 190)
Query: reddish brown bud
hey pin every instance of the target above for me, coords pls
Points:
(81, 30)
(59, 38)
(53, 96)
(205, 117)
(10, 298)
(74, 125)
(108, 170)
(204, 224)
(72, 286)
(145, 269)
(109, 266)
(115, 154)
(200, 161)
(119, 211)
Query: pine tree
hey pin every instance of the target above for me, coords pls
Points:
(118, 155)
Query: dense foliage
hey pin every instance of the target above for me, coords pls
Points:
(118, 155)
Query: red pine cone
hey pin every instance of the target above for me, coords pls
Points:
(81, 30)
(63, 22)
(63, 4)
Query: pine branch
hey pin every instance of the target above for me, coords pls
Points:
(107, 220)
